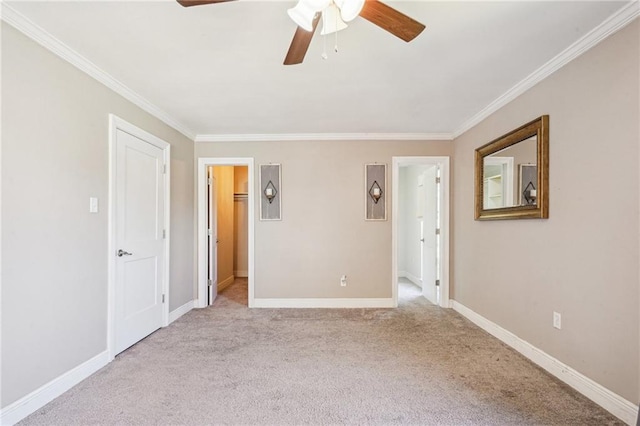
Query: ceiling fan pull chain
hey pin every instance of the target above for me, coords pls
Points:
(324, 39)
(324, 50)
(335, 47)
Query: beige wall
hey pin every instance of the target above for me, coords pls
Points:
(322, 234)
(583, 260)
(54, 252)
(225, 215)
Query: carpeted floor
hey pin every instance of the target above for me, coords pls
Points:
(226, 364)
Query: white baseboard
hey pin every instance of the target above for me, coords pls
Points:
(610, 401)
(241, 274)
(408, 275)
(225, 283)
(37, 399)
(323, 303)
(177, 313)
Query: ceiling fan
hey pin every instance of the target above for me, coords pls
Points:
(307, 14)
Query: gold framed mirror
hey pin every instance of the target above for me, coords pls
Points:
(512, 174)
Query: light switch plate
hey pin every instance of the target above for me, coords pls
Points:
(557, 320)
(93, 205)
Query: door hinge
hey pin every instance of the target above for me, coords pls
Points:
(437, 180)
(163, 298)
(210, 283)
(437, 283)
(209, 181)
(164, 234)
(209, 233)
(164, 169)
(437, 231)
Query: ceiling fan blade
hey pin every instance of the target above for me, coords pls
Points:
(188, 3)
(300, 43)
(389, 19)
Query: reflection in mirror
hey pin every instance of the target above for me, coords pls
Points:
(502, 186)
(512, 174)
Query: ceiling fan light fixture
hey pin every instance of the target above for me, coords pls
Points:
(304, 12)
(331, 20)
(349, 9)
(302, 15)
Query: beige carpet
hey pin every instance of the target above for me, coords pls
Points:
(226, 364)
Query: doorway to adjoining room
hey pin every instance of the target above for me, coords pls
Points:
(225, 229)
(227, 242)
(420, 232)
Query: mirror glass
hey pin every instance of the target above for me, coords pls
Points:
(510, 176)
(512, 173)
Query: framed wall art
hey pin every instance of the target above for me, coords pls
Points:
(270, 192)
(375, 178)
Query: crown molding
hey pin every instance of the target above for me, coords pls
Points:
(614, 23)
(611, 25)
(48, 41)
(273, 137)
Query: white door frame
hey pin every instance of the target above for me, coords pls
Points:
(117, 123)
(443, 163)
(212, 238)
(203, 163)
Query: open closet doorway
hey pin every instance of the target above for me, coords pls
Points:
(225, 228)
(420, 229)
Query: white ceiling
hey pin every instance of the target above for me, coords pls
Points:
(217, 69)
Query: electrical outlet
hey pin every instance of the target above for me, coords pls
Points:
(343, 281)
(557, 320)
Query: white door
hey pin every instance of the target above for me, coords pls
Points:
(139, 240)
(212, 238)
(428, 239)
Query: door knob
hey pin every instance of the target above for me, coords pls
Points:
(123, 253)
